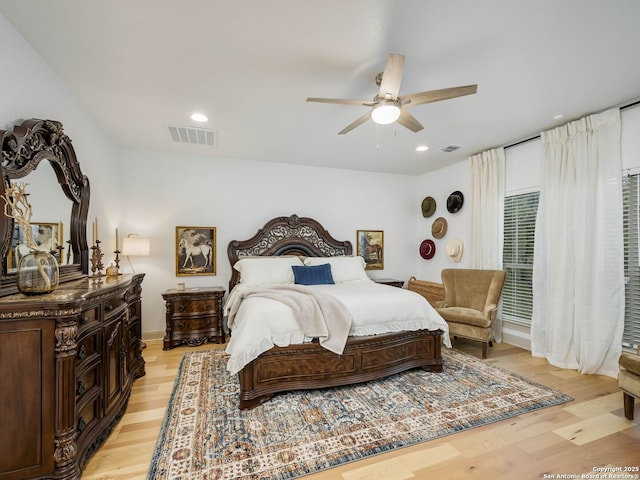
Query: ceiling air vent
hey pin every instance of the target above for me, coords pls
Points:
(450, 148)
(193, 135)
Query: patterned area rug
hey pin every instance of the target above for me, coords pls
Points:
(205, 436)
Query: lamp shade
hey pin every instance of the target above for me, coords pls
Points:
(385, 112)
(135, 246)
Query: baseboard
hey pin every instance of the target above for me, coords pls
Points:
(516, 336)
(152, 335)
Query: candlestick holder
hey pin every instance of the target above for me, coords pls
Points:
(96, 261)
(117, 260)
(68, 252)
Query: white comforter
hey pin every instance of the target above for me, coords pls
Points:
(375, 309)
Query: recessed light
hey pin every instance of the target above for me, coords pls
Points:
(558, 117)
(422, 148)
(199, 117)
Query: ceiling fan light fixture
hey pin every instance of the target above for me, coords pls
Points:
(385, 112)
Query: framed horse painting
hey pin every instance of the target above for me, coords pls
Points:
(195, 251)
(371, 247)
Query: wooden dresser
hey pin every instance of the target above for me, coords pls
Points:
(68, 362)
(194, 316)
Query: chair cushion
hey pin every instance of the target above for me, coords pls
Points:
(629, 382)
(468, 316)
(631, 362)
(470, 331)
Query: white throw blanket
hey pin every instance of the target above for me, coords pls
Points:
(319, 316)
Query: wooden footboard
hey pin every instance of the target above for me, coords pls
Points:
(308, 366)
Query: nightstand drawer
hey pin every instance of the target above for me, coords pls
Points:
(195, 323)
(204, 306)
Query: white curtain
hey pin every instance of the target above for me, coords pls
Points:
(578, 273)
(487, 207)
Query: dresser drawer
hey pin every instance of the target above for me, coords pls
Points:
(134, 310)
(88, 349)
(89, 319)
(113, 305)
(89, 412)
(87, 380)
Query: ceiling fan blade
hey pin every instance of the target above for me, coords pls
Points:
(392, 77)
(409, 121)
(355, 124)
(341, 101)
(437, 95)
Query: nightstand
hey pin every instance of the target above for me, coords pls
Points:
(390, 281)
(193, 316)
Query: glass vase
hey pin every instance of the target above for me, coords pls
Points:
(37, 273)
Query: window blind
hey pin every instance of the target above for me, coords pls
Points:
(517, 255)
(631, 212)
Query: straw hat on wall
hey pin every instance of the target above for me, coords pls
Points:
(454, 250)
(439, 227)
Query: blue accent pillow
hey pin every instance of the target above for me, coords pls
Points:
(313, 275)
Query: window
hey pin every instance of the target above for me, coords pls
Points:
(517, 255)
(631, 211)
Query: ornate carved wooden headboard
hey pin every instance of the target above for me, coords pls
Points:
(287, 236)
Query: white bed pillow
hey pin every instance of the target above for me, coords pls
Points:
(343, 269)
(266, 270)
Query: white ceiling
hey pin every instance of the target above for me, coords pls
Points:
(140, 66)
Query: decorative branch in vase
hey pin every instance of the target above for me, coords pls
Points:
(38, 269)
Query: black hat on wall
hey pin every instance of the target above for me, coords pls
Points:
(455, 201)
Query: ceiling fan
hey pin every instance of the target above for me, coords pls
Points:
(388, 106)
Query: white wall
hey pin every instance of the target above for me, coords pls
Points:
(630, 141)
(439, 185)
(29, 88)
(163, 190)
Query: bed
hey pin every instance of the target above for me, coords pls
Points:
(306, 363)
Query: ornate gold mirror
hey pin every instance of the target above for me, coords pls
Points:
(57, 187)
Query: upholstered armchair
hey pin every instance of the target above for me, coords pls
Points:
(471, 303)
(629, 380)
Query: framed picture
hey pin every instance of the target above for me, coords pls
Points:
(195, 251)
(48, 237)
(370, 246)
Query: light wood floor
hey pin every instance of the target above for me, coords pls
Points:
(569, 439)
